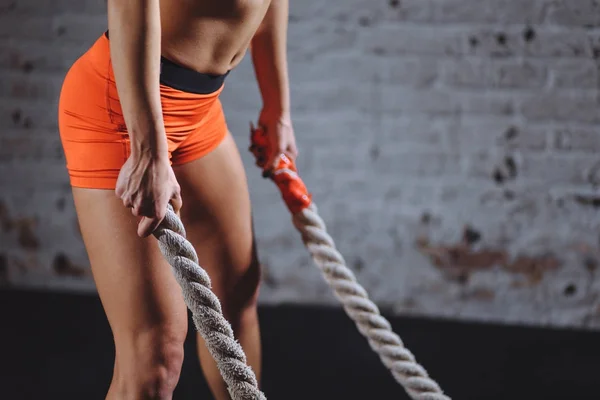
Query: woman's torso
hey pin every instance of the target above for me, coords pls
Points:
(209, 36)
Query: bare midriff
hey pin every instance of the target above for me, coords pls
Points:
(209, 36)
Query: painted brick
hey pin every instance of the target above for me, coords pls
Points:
(415, 40)
(28, 8)
(395, 164)
(561, 107)
(30, 145)
(34, 27)
(487, 11)
(484, 73)
(532, 41)
(474, 134)
(31, 87)
(563, 169)
(80, 29)
(487, 103)
(574, 74)
(576, 13)
(436, 102)
(28, 115)
(33, 56)
(576, 139)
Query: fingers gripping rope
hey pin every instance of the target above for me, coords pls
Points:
(354, 298)
(206, 309)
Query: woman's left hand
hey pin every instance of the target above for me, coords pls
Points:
(280, 133)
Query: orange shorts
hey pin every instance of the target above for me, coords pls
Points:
(92, 128)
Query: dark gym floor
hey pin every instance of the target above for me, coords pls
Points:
(59, 346)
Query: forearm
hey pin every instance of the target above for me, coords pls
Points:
(135, 50)
(269, 56)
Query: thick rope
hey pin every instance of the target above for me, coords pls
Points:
(216, 331)
(355, 300)
(206, 310)
(371, 324)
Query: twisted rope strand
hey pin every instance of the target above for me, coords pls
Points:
(354, 298)
(206, 310)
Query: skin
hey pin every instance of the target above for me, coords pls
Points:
(141, 298)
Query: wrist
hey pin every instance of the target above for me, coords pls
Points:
(151, 146)
(276, 112)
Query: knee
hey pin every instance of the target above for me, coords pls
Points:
(150, 367)
(164, 370)
(240, 291)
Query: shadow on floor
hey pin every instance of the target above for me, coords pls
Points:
(59, 346)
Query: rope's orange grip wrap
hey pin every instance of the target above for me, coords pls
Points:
(285, 175)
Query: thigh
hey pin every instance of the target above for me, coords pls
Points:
(136, 286)
(217, 215)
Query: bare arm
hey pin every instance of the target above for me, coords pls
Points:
(269, 56)
(135, 50)
(146, 181)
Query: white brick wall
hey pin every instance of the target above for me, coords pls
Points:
(452, 147)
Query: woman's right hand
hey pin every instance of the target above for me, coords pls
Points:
(147, 184)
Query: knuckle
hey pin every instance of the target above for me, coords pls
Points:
(160, 212)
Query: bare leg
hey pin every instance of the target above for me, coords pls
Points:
(217, 216)
(141, 298)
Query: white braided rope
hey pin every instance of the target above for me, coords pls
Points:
(355, 300)
(206, 310)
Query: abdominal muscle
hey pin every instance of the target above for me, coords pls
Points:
(209, 36)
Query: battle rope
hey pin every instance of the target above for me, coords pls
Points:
(371, 324)
(216, 331)
(206, 309)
